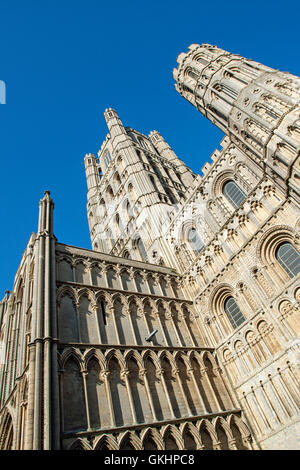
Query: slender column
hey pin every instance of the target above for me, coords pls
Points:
(294, 380)
(278, 399)
(143, 376)
(90, 272)
(104, 274)
(190, 371)
(204, 371)
(112, 315)
(141, 312)
(74, 271)
(261, 410)
(127, 312)
(61, 392)
(256, 363)
(250, 413)
(94, 308)
(77, 305)
(171, 316)
(161, 374)
(183, 316)
(124, 375)
(84, 374)
(105, 377)
(119, 274)
(21, 426)
(218, 371)
(178, 378)
(269, 403)
(288, 392)
(161, 327)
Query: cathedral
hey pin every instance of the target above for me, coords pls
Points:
(179, 329)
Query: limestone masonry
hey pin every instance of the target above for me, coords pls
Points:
(180, 328)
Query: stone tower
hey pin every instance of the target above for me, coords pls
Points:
(256, 106)
(180, 328)
(132, 188)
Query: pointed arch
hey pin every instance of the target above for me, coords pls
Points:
(79, 444)
(207, 434)
(94, 353)
(6, 432)
(172, 432)
(155, 436)
(191, 429)
(106, 442)
(130, 441)
(223, 432)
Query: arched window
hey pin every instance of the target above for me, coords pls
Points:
(289, 258)
(233, 193)
(141, 248)
(195, 240)
(233, 312)
(129, 210)
(107, 158)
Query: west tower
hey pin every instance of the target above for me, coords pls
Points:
(132, 188)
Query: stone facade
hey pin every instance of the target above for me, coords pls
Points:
(180, 328)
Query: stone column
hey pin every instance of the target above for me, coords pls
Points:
(219, 373)
(183, 316)
(161, 376)
(144, 378)
(105, 377)
(170, 315)
(190, 371)
(124, 376)
(176, 373)
(204, 371)
(84, 374)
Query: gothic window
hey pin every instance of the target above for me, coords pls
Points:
(129, 209)
(141, 248)
(233, 193)
(119, 224)
(107, 158)
(233, 312)
(289, 258)
(109, 193)
(195, 241)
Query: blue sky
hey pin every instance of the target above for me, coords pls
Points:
(64, 62)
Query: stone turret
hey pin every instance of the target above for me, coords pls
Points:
(255, 105)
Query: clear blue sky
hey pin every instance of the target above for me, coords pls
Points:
(65, 61)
